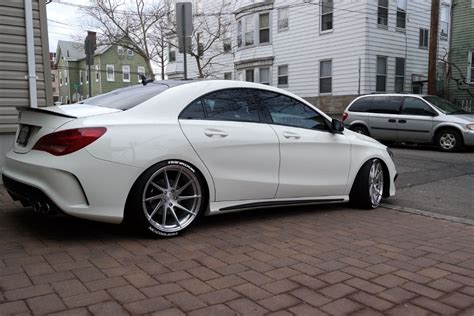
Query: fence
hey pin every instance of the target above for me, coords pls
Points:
(466, 104)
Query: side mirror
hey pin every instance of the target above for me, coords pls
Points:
(336, 126)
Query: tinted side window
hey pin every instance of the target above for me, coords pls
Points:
(284, 110)
(414, 106)
(361, 105)
(193, 111)
(386, 105)
(230, 105)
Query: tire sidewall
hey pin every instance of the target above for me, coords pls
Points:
(456, 135)
(137, 194)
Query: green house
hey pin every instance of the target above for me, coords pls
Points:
(461, 58)
(114, 67)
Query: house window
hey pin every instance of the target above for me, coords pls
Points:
(227, 76)
(249, 29)
(264, 28)
(326, 14)
(401, 13)
(66, 77)
(444, 18)
(227, 44)
(129, 52)
(172, 56)
(53, 78)
(126, 73)
(97, 73)
(87, 76)
(472, 4)
(471, 66)
(325, 76)
(110, 73)
(239, 33)
(264, 75)
(424, 38)
(81, 77)
(399, 75)
(140, 71)
(283, 14)
(60, 78)
(249, 75)
(381, 79)
(283, 75)
(120, 50)
(382, 13)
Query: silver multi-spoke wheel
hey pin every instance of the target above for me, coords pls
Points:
(447, 141)
(375, 183)
(171, 198)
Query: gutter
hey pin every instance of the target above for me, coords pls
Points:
(30, 52)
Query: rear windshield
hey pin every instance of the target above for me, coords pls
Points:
(127, 98)
(361, 105)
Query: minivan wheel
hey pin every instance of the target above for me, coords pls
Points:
(367, 190)
(448, 140)
(167, 198)
(360, 129)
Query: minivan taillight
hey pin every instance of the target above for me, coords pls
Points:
(345, 115)
(68, 141)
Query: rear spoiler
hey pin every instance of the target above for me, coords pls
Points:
(43, 110)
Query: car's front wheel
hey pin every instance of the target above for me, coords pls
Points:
(360, 129)
(448, 140)
(167, 198)
(367, 190)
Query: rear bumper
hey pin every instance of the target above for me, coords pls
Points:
(77, 184)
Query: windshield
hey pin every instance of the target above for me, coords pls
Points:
(445, 106)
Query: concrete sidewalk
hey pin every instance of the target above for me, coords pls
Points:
(302, 261)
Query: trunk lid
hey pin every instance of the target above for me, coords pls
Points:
(37, 122)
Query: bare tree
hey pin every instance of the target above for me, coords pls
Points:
(134, 24)
(455, 74)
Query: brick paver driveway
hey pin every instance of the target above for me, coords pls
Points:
(312, 261)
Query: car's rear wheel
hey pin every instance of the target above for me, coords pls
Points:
(448, 140)
(360, 129)
(367, 190)
(167, 198)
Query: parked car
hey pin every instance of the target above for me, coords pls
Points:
(411, 118)
(163, 153)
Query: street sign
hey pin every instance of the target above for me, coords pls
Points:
(184, 25)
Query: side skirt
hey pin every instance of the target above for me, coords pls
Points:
(235, 206)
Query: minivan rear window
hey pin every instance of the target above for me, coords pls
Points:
(386, 105)
(361, 105)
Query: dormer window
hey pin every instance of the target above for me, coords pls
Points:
(120, 50)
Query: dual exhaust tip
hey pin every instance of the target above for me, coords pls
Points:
(43, 208)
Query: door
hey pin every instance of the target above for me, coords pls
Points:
(415, 122)
(383, 120)
(241, 153)
(314, 162)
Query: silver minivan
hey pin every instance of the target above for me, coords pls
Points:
(411, 118)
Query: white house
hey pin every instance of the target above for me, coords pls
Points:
(327, 51)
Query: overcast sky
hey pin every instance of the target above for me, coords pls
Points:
(66, 22)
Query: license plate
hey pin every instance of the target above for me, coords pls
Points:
(24, 135)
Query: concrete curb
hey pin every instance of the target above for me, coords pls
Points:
(429, 214)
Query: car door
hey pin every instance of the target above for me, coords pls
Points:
(383, 117)
(241, 153)
(314, 162)
(415, 122)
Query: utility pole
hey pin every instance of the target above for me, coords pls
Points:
(433, 53)
(90, 47)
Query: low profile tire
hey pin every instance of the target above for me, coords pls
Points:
(166, 199)
(367, 190)
(448, 140)
(360, 129)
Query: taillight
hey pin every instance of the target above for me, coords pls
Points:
(68, 141)
(345, 115)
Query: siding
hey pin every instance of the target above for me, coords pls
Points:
(462, 40)
(14, 89)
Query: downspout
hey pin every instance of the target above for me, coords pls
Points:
(30, 53)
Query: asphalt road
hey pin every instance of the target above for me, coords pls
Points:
(434, 181)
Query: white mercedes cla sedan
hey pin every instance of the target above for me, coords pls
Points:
(163, 153)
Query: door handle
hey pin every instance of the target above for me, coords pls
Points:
(291, 135)
(392, 121)
(402, 121)
(215, 132)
